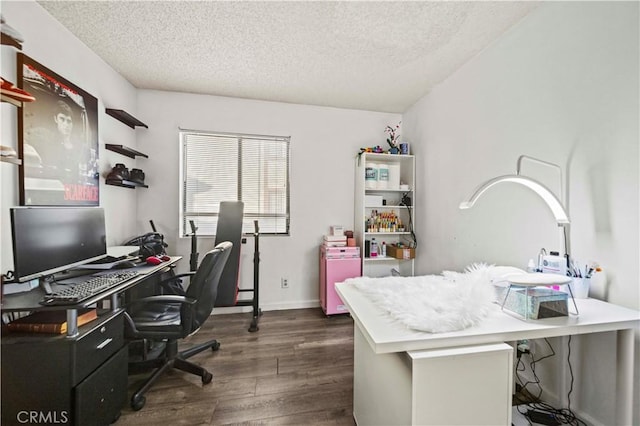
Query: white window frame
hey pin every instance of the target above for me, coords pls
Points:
(281, 221)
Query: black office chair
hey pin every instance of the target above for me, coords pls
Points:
(175, 316)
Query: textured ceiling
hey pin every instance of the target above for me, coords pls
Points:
(378, 56)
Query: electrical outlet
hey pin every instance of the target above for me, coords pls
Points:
(284, 283)
(524, 347)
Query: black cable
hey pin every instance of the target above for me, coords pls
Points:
(413, 234)
(532, 366)
(563, 416)
(570, 372)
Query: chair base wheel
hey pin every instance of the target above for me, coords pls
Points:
(215, 346)
(207, 378)
(138, 402)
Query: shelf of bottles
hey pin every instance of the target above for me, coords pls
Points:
(384, 212)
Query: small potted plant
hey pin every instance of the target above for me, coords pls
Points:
(393, 138)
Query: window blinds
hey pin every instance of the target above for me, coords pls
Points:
(219, 167)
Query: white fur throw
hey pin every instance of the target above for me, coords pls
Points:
(437, 303)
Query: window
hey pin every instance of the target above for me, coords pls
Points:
(219, 167)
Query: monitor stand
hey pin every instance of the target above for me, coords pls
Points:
(72, 273)
(45, 285)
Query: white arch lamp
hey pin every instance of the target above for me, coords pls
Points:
(559, 212)
(552, 201)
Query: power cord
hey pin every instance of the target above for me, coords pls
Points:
(9, 276)
(532, 365)
(406, 201)
(538, 408)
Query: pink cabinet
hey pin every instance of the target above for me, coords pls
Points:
(336, 265)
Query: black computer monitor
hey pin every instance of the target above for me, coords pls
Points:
(47, 240)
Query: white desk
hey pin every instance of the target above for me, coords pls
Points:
(377, 334)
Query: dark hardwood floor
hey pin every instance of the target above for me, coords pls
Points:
(297, 370)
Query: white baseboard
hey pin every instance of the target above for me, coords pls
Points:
(279, 306)
(299, 304)
(231, 310)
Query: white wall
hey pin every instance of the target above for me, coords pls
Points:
(324, 144)
(561, 86)
(52, 45)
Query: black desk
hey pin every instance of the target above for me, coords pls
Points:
(79, 378)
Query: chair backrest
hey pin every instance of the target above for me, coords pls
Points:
(204, 284)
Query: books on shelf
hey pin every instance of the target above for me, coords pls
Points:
(52, 322)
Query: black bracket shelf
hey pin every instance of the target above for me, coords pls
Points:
(126, 118)
(126, 184)
(10, 41)
(121, 149)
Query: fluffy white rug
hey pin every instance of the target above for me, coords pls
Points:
(437, 303)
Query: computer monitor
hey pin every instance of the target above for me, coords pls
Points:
(47, 240)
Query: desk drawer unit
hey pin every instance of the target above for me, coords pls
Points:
(100, 397)
(469, 385)
(93, 348)
(45, 377)
(463, 385)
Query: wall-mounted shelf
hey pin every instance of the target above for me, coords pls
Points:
(10, 41)
(386, 259)
(126, 184)
(121, 149)
(381, 206)
(387, 233)
(11, 160)
(10, 100)
(379, 191)
(125, 118)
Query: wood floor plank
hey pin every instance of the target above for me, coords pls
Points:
(297, 369)
(321, 398)
(311, 359)
(342, 377)
(177, 414)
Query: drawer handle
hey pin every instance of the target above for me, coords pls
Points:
(105, 343)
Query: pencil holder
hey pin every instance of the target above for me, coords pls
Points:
(579, 287)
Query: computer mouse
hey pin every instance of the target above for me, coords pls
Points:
(153, 260)
(158, 259)
(125, 264)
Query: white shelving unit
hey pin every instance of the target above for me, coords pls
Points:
(392, 196)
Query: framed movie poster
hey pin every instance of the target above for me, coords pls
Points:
(58, 140)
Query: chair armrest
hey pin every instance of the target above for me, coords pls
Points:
(164, 283)
(163, 298)
(170, 298)
(184, 274)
